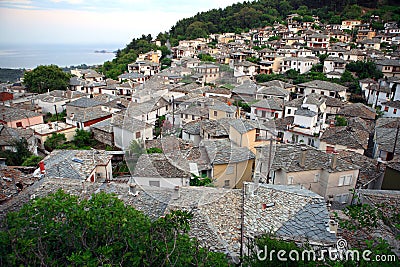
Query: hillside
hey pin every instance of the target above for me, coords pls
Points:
(241, 17)
(11, 75)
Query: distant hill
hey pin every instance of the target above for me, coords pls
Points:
(11, 75)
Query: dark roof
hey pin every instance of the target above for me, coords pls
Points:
(9, 114)
(393, 104)
(323, 85)
(274, 91)
(192, 127)
(242, 125)
(287, 157)
(385, 134)
(127, 123)
(158, 165)
(84, 102)
(346, 136)
(223, 151)
(269, 103)
(214, 128)
(305, 112)
(358, 110)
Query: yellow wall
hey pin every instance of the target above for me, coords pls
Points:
(220, 114)
(242, 172)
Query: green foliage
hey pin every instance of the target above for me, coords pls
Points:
(153, 150)
(32, 161)
(44, 78)
(200, 181)
(83, 139)
(364, 69)
(340, 121)
(57, 117)
(54, 141)
(352, 12)
(254, 60)
(166, 62)
(11, 75)
(18, 155)
(61, 230)
(206, 58)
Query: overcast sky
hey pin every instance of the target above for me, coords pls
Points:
(93, 21)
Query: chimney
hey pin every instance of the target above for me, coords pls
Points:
(334, 160)
(41, 166)
(176, 194)
(303, 155)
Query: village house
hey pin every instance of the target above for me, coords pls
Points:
(230, 165)
(322, 173)
(323, 88)
(46, 130)
(219, 110)
(146, 68)
(301, 64)
(245, 68)
(206, 73)
(158, 170)
(391, 109)
(346, 138)
(334, 64)
(389, 67)
(266, 109)
(350, 24)
(386, 143)
(81, 165)
(127, 129)
(19, 118)
(103, 132)
(9, 136)
(318, 41)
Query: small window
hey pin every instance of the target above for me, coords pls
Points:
(226, 184)
(395, 111)
(182, 116)
(138, 135)
(19, 124)
(386, 108)
(215, 113)
(322, 92)
(289, 111)
(290, 180)
(192, 117)
(186, 116)
(229, 170)
(341, 180)
(348, 179)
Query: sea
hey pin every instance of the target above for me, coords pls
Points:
(27, 56)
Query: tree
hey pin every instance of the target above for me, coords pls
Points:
(83, 139)
(54, 141)
(19, 153)
(340, 121)
(206, 57)
(153, 150)
(44, 78)
(32, 161)
(62, 230)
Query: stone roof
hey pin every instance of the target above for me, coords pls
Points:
(214, 128)
(273, 90)
(269, 103)
(91, 113)
(393, 104)
(127, 123)
(388, 62)
(358, 110)
(76, 81)
(385, 134)
(104, 126)
(10, 177)
(314, 99)
(9, 135)
(290, 212)
(222, 107)
(248, 88)
(369, 168)
(61, 163)
(305, 112)
(295, 103)
(192, 127)
(277, 83)
(352, 138)
(279, 124)
(223, 151)
(287, 157)
(242, 125)
(84, 102)
(9, 114)
(159, 165)
(194, 110)
(323, 85)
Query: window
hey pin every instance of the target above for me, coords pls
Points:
(322, 92)
(192, 117)
(386, 108)
(19, 124)
(229, 170)
(137, 135)
(289, 111)
(343, 198)
(154, 183)
(263, 114)
(395, 111)
(186, 116)
(345, 180)
(182, 116)
(215, 113)
(290, 180)
(226, 184)
(316, 178)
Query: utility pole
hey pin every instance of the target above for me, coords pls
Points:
(55, 108)
(173, 113)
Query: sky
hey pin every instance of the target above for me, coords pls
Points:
(93, 21)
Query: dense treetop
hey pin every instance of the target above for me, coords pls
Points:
(44, 78)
